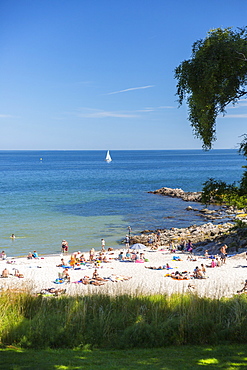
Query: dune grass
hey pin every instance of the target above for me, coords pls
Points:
(121, 321)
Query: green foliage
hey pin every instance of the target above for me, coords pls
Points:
(243, 146)
(215, 76)
(236, 200)
(239, 224)
(217, 191)
(243, 184)
(123, 321)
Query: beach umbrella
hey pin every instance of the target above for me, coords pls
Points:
(138, 246)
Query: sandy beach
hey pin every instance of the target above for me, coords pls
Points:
(42, 273)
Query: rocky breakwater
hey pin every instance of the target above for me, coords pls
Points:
(206, 236)
(188, 196)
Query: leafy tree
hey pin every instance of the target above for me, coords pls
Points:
(218, 191)
(215, 76)
(243, 146)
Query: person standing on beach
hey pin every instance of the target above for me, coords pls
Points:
(158, 237)
(64, 247)
(223, 253)
(127, 242)
(102, 245)
(91, 254)
(190, 247)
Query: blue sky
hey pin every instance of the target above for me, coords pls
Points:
(99, 74)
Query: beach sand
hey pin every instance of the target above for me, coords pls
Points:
(42, 273)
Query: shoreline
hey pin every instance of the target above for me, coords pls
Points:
(125, 277)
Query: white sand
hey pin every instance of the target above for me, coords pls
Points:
(41, 274)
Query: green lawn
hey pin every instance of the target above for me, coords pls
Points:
(170, 358)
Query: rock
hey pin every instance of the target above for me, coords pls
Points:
(179, 193)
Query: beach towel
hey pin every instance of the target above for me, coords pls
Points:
(176, 258)
(59, 281)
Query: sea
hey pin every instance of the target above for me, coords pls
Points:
(48, 196)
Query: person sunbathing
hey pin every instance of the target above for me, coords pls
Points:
(82, 258)
(197, 273)
(55, 291)
(105, 260)
(86, 280)
(155, 268)
(244, 289)
(120, 256)
(116, 278)
(62, 263)
(3, 255)
(65, 274)
(217, 262)
(154, 247)
(35, 254)
(97, 277)
(179, 275)
(191, 258)
(5, 273)
(29, 256)
(18, 274)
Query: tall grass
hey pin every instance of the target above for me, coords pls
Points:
(121, 321)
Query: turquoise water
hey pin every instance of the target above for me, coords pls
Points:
(77, 196)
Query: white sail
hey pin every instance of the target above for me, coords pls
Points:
(108, 157)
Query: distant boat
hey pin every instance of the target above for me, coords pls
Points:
(108, 157)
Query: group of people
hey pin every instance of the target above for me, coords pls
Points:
(131, 256)
(16, 272)
(32, 255)
(199, 272)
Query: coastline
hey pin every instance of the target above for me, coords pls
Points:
(128, 277)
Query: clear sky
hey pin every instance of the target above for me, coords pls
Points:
(99, 74)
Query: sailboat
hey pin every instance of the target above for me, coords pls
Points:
(108, 157)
